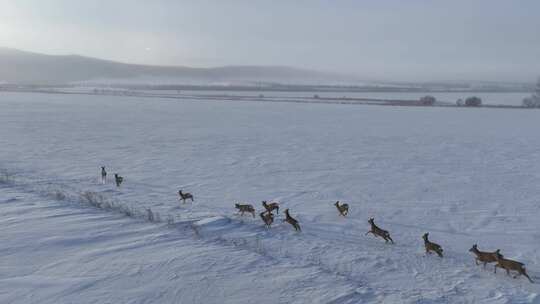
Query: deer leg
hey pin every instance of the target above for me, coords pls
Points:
(369, 232)
(391, 239)
(495, 268)
(507, 271)
(526, 275)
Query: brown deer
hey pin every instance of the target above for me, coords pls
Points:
(118, 179)
(430, 246)
(376, 231)
(268, 218)
(510, 265)
(185, 196)
(343, 209)
(270, 207)
(103, 175)
(245, 208)
(289, 219)
(484, 256)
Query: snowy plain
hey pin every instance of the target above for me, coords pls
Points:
(488, 98)
(464, 175)
(513, 99)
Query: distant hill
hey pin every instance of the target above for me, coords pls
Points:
(23, 67)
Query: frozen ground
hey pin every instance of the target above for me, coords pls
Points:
(54, 254)
(464, 175)
(498, 98)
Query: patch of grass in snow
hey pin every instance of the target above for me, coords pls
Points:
(100, 201)
(58, 195)
(6, 177)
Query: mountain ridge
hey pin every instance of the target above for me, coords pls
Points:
(23, 67)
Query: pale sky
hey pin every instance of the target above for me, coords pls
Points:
(400, 40)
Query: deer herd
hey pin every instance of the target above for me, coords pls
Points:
(268, 216)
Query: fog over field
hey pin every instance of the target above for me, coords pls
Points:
(269, 152)
(381, 41)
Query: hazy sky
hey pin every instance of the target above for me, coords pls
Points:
(380, 39)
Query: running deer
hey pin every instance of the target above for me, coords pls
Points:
(289, 219)
(376, 231)
(103, 175)
(185, 196)
(245, 208)
(267, 217)
(510, 265)
(118, 179)
(430, 246)
(270, 207)
(484, 256)
(343, 209)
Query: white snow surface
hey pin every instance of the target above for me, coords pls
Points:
(464, 175)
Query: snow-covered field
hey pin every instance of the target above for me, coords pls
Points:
(464, 175)
(512, 99)
(493, 98)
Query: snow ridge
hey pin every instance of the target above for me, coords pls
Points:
(375, 268)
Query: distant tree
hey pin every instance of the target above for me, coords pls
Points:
(531, 102)
(473, 101)
(459, 102)
(428, 100)
(316, 96)
(534, 100)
